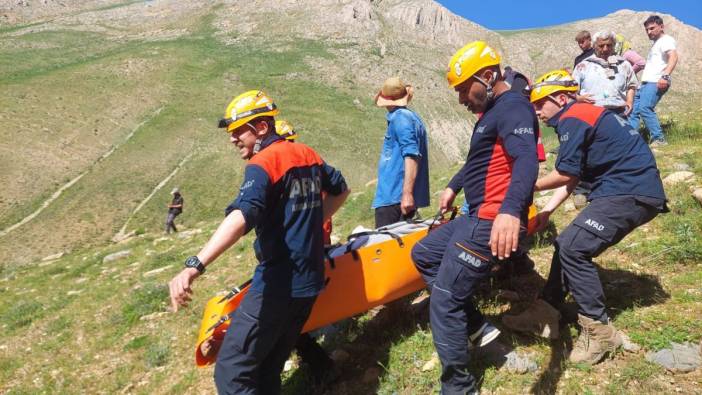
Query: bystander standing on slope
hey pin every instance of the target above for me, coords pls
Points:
(655, 80)
(175, 208)
(403, 168)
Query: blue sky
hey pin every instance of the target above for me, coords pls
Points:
(524, 14)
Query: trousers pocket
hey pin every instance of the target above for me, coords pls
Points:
(242, 330)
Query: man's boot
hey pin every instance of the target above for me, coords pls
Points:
(540, 319)
(596, 340)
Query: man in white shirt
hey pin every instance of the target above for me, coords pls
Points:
(655, 79)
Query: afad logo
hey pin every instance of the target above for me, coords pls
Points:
(466, 257)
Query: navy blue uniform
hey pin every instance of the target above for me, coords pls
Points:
(281, 197)
(498, 177)
(600, 147)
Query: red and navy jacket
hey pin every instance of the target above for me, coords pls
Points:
(500, 171)
(599, 147)
(281, 197)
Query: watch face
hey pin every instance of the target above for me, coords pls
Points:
(192, 262)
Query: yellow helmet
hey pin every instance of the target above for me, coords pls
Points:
(552, 82)
(246, 107)
(286, 130)
(469, 60)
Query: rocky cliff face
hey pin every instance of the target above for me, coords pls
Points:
(370, 40)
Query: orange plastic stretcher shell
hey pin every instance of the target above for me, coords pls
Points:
(355, 282)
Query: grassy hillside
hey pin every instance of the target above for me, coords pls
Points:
(135, 111)
(74, 321)
(115, 113)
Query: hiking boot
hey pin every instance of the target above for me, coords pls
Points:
(484, 335)
(540, 319)
(596, 340)
(580, 201)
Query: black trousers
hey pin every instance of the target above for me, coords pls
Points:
(261, 336)
(602, 224)
(387, 215)
(453, 260)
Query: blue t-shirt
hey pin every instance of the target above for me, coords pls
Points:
(281, 197)
(599, 147)
(405, 136)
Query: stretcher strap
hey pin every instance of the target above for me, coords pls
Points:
(397, 238)
(235, 291)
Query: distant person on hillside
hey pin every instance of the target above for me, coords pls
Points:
(403, 169)
(498, 181)
(175, 208)
(655, 80)
(623, 48)
(597, 145)
(605, 79)
(281, 198)
(585, 43)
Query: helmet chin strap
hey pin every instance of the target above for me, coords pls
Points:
(257, 146)
(488, 86)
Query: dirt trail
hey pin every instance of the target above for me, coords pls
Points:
(70, 183)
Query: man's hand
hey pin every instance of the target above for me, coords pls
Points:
(662, 84)
(446, 200)
(179, 287)
(504, 238)
(586, 98)
(541, 221)
(407, 204)
(627, 109)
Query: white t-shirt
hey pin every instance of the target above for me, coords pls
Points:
(657, 58)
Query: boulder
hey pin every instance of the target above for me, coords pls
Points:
(697, 194)
(157, 271)
(186, 234)
(431, 364)
(678, 177)
(116, 256)
(678, 357)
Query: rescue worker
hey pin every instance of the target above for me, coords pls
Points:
(321, 366)
(281, 197)
(599, 146)
(498, 180)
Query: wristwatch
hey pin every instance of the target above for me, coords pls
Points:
(666, 77)
(194, 262)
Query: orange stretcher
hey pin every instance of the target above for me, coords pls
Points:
(356, 281)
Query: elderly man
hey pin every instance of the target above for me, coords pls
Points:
(605, 79)
(655, 79)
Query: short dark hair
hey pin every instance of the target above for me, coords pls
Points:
(582, 35)
(653, 19)
(269, 120)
